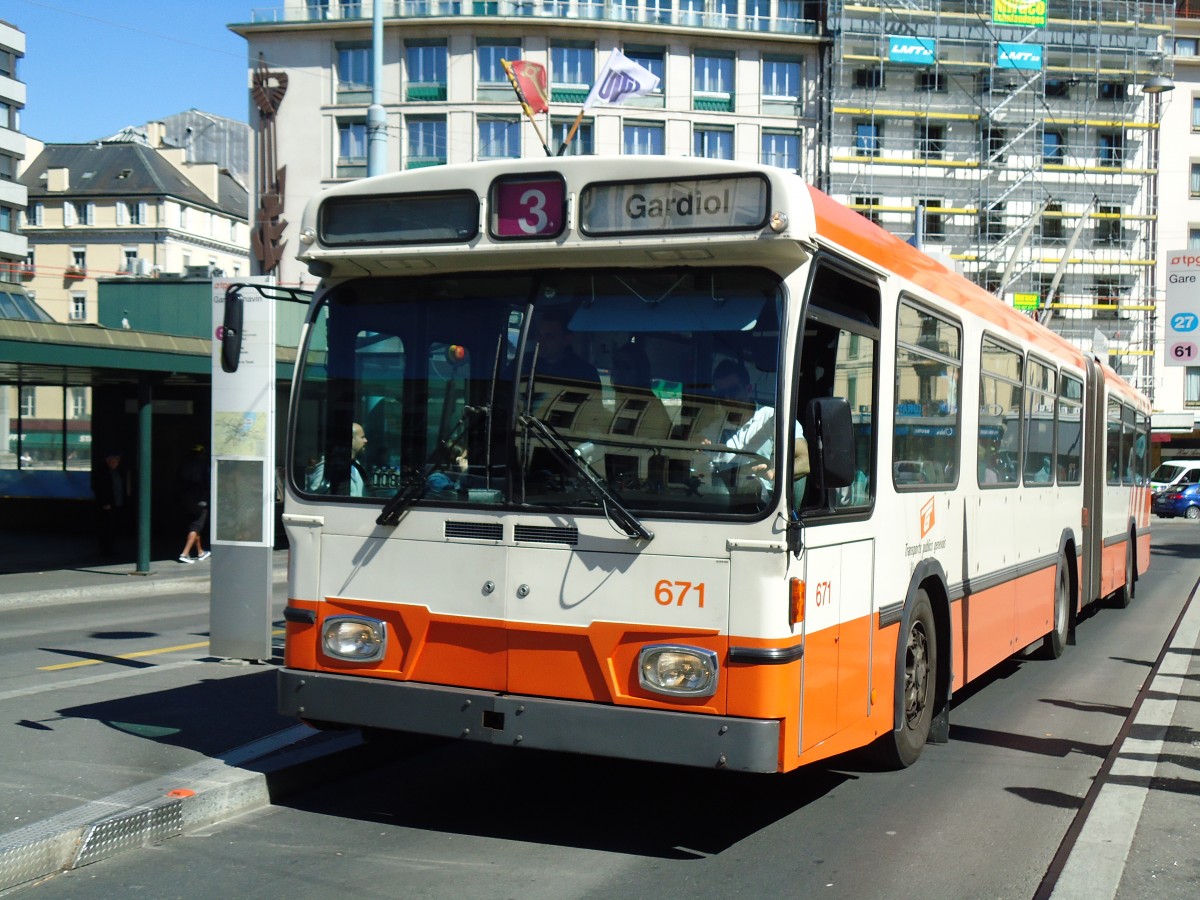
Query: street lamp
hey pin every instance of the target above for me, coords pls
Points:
(1158, 84)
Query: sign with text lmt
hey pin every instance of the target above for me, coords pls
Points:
(1182, 345)
(1019, 12)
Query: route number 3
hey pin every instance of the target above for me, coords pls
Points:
(674, 593)
(529, 208)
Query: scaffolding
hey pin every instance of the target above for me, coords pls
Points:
(1028, 154)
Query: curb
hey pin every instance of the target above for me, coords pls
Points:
(127, 587)
(193, 797)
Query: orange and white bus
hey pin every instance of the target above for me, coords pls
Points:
(678, 460)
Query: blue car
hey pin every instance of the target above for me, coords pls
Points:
(1182, 500)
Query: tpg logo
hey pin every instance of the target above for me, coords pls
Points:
(1185, 260)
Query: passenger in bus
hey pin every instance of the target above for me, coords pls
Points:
(1044, 474)
(556, 357)
(731, 381)
(316, 478)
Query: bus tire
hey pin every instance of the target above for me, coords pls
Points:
(1124, 595)
(917, 693)
(1055, 642)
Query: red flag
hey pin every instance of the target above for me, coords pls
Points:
(531, 77)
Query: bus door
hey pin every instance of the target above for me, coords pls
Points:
(838, 632)
(838, 357)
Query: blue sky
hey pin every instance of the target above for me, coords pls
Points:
(92, 67)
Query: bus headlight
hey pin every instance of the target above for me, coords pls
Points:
(355, 638)
(678, 670)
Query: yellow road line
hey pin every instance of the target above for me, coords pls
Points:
(137, 655)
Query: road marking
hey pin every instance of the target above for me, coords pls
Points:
(138, 655)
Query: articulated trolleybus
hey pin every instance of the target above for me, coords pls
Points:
(677, 460)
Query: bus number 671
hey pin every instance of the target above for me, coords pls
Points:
(673, 593)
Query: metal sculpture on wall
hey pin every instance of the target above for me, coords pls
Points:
(267, 92)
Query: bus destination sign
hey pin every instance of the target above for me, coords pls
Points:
(736, 203)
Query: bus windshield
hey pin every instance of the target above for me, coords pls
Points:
(661, 382)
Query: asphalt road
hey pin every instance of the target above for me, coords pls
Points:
(981, 816)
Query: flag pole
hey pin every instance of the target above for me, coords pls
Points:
(571, 134)
(524, 103)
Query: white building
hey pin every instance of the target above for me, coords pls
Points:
(738, 80)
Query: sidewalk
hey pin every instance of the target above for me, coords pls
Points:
(79, 752)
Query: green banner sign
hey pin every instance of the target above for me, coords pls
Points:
(1019, 12)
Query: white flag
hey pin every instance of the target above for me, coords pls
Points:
(620, 79)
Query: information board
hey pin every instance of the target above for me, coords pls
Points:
(1182, 344)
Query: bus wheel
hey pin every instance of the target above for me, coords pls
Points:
(918, 691)
(1055, 642)
(1124, 595)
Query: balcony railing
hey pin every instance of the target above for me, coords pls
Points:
(588, 10)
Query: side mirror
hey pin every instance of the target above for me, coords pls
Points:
(829, 429)
(231, 330)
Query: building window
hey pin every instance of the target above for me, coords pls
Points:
(573, 67)
(28, 402)
(8, 167)
(491, 73)
(867, 206)
(931, 140)
(1057, 87)
(780, 79)
(130, 264)
(352, 150)
(1108, 225)
(643, 139)
(317, 9)
(935, 222)
(994, 142)
(426, 63)
(78, 307)
(653, 59)
(79, 403)
(1054, 147)
(868, 78)
(1186, 46)
(426, 142)
(1191, 386)
(931, 81)
(131, 212)
(1108, 291)
(713, 82)
(353, 71)
(1110, 148)
(78, 261)
(581, 144)
(781, 149)
(991, 222)
(1194, 182)
(1111, 90)
(712, 143)
(8, 219)
(659, 11)
(1052, 222)
(39, 212)
(1196, 114)
(867, 138)
(78, 212)
(499, 138)
(1193, 240)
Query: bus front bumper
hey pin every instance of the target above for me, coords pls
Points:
(650, 735)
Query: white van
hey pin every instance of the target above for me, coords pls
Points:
(1171, 471)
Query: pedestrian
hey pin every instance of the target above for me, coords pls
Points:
(194, 488)
(111, 491)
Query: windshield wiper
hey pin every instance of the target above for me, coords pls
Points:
(613, 507)
(413, 487)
